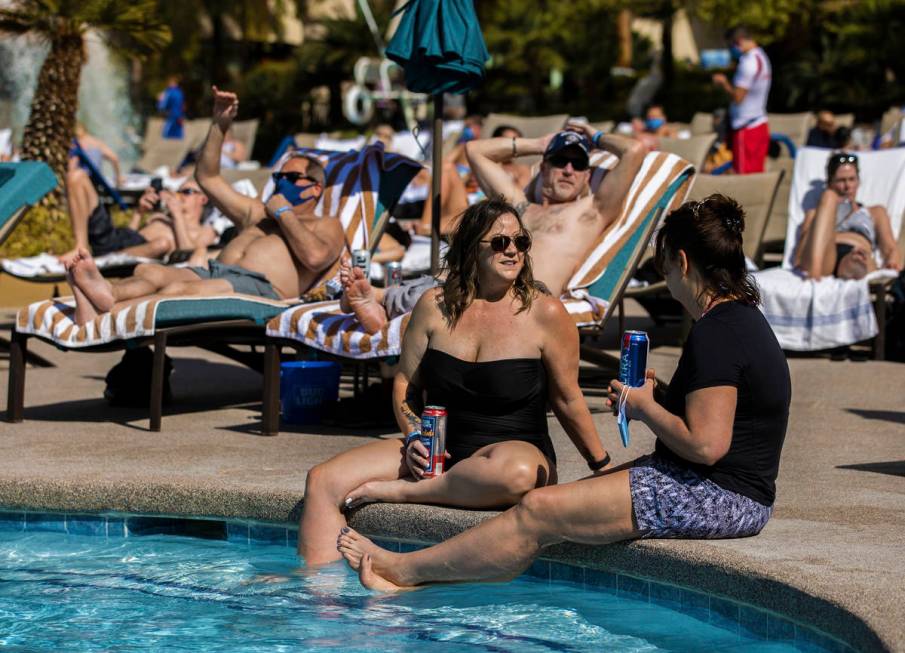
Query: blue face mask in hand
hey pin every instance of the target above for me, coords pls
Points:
(292, 192)
(653, 124)
(735, 52)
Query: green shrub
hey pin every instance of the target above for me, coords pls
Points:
(47, 229)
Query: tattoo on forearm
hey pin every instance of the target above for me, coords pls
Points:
(411, 407)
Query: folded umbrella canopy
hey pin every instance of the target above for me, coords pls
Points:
(440, 46)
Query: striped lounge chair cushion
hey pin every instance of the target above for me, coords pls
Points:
(52, 320)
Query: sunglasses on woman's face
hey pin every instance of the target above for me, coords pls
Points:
(189, 191)
(500, 242)
(292, 177)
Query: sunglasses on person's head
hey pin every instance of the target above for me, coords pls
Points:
(189, 191)
(840, 159)
(559, 161)
(500, 242)
(292, 177)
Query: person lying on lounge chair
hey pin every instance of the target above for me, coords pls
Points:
(565, 225)
(720, 433)
(171, 220)
(282, 249)
(840, 236)
(494, 349)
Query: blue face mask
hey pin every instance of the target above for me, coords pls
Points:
(735, 52)
(653, 124)
(467, 135)
(292, 192)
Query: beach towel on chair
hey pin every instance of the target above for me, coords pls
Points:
(663, 182)
(809, 315)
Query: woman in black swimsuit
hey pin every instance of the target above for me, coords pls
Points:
(494, 349)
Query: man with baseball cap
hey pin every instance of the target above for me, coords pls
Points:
(565, 222)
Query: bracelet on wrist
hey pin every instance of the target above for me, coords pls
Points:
(596, 466)
(514, 149)
(414, 435)
(596, 139)
(281, 210)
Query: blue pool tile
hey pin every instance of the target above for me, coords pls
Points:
(812, 641)
(12, 521)
(86, 525)
(603, 580)
(408, 547)
(633, 588)
(696, 605)
(567, 573)
(138, 526)
(779, 629)
(258, 534)
(539, 569)
(752, 622)
(292, 537)
(40, 521)
(668, 596)
(237, 532)
(116, 527)
(724, 614)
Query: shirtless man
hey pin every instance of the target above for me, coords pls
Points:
(281, 251)
(564, 225)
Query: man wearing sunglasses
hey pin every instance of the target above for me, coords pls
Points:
(162, 222)
(281, 249)
(563, 225)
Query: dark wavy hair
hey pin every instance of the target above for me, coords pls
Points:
(461, 262)
(710, 234)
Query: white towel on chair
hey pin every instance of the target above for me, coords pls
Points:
(808, 315)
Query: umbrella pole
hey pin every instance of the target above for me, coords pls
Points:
(436, 175)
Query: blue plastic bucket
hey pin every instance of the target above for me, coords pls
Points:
(305, 386)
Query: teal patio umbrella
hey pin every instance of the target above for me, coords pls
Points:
(440, 46)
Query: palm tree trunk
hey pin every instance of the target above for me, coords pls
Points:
(51, 124)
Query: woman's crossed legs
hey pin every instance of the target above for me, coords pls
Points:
(496, 475)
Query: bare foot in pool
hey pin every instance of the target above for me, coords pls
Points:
(354, 546)
(359, 298)
(84, 275)
(373, 581)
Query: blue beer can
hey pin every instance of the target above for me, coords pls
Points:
(633, 359)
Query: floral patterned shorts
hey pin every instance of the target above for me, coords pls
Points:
(674, 501)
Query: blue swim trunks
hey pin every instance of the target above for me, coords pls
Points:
(671, 501)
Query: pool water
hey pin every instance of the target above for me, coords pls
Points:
(64, 592)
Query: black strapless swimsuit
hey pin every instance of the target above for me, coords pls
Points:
(488, 402)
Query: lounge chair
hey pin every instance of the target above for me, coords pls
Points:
(795, 126)
(361, 187)
(808, 315)
(755, 192)
(661, 185)
(693, 150)
(701, 123)
(22, 185)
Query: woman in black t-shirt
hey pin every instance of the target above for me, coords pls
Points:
(719, 433)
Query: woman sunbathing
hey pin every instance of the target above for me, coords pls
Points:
(719, 433)
(840, 236)
(492, 348)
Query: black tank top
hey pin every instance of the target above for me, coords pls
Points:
(488, 402)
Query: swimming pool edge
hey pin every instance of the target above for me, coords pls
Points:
(806, 600)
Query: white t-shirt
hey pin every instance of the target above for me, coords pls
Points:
(754, 74)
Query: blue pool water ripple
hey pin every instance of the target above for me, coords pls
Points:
(161, 592)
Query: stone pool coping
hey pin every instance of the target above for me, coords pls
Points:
(683, 563)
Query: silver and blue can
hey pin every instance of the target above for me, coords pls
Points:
(392, 274)
(433, 437)
(633, 359)
(361, 258)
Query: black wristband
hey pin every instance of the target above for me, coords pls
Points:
(600, 464)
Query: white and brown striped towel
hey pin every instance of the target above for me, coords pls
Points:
(324, 327)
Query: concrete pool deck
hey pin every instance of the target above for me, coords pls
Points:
(832, 556)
